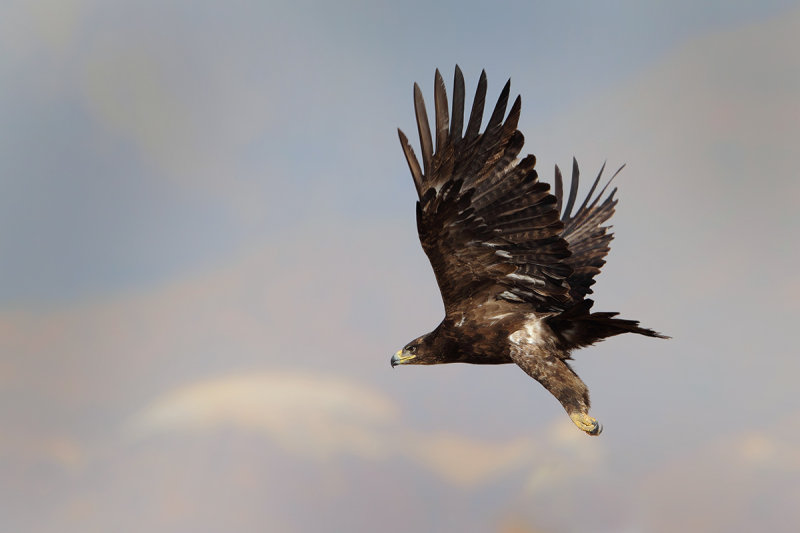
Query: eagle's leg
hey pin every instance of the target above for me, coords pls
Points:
(557, 376)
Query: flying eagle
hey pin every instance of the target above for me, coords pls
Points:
(513, 268)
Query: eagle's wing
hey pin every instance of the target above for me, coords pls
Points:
(588, 239)
(486, 223)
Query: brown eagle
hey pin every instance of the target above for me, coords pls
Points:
(514, 269)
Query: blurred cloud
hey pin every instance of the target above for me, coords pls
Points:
(47, 28)
(147, 87)
(569, 460)
(316, 416)
(246, 373)
(319, 417)
(467, 462)
(753, 473)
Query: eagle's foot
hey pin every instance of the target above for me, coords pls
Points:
(586, 423)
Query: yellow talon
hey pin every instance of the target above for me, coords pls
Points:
(586, 423)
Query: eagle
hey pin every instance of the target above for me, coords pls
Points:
(513, 262)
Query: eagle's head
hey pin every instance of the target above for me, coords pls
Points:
(420, 351)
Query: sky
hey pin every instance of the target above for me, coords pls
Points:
(209, 255)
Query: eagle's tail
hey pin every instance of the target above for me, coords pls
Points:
(579, 327)
(611, 326)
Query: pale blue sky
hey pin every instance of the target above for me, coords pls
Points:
(272, 101)
(209, 254)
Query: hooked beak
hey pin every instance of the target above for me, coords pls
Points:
(399, 358)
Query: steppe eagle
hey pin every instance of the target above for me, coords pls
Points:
(513, 267)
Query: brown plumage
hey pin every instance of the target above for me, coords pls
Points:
(512, 267)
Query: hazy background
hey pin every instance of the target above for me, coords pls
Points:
(208, 255)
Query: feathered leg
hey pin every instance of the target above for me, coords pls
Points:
(558, 377)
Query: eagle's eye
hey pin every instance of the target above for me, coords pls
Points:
(411, 349)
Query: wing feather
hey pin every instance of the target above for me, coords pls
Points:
(573, 188)
(486, 223)
(476, 115)
(559, 192)
(458, 106)
(424, 130)
(442, 120)
(411, 158)
(496, 120)
(589, 241)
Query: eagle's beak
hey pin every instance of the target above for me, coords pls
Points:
(399, 358)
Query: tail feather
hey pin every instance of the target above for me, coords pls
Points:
(579, 327)
(615, 326)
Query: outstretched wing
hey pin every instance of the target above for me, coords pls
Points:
(588, 239)
(488, 226)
